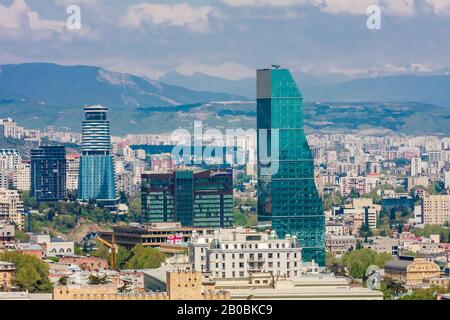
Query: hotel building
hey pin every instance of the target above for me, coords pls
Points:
(288, 196)
(198, 199)
(237, 253)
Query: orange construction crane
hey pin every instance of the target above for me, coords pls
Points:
(112, 251)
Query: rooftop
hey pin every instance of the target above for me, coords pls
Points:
(28, 246)
(160, 273)
(6, 265)
(308, 293)
(398, 264)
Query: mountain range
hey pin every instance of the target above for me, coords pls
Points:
(79, 85)
(434, 89)
(39, 95)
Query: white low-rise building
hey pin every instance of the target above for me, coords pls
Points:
(54, 246)
(238, 253)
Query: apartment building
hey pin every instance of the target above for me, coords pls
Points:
(72, 171)
(11, 207)
(22, 176)
(7, 270)
(383, 244)
(436, 209)
(9, 158)
(7, 234)
(353, 183)
(340, 244)
(418, 181)
(416, 166)
(238, 253)
(10, 129)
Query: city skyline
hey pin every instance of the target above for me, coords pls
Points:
(288, 150)
(385, 204)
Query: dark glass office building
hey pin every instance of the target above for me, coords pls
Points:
(390, 206)
(287, 195)
(196, 199)
(48, 173)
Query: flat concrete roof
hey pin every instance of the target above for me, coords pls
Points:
(307, 293)
(25, 296)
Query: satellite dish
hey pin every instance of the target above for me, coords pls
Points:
(373, 276)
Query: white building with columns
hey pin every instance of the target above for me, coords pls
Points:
(238, 253)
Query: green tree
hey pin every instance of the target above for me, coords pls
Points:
(78, 250)
(123, 198)
(358, 261)
(408, 253)
(240, 219)
(242, 178)
(358, 245)
(373, 195)
(101, 251)
(123, 256)
(135, 206)
(252, 220)
(96, 280)
(392, 289)
(428, 230)
(21, 236)
(331, 259)
(145, 258)
(54, 259)
(28, 201)
(436, 188)
(353, 194)
(63, 280)
(333, 201)
(365, 232)
(425, 294)
(31, 272)
(334, 264)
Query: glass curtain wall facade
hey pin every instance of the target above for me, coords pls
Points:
(287, 198)
(158, 198)
(184, 197)
(213, 199)
(48, 173)
(96, 180)
(202, 199)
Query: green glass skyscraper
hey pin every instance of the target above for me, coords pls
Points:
(287, 194)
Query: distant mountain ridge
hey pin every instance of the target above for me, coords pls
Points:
(244, 87)
(80, 85)
(42, 95)
(426, 89)
(434, 89)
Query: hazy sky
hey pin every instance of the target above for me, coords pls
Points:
(230, 38)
